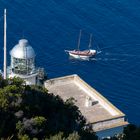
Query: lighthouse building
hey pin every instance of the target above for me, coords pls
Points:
(23, 63)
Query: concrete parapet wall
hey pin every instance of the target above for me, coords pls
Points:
(107, 124)
(97, 96)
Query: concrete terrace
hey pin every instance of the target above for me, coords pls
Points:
(101, 113)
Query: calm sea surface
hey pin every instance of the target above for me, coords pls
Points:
(51, 26)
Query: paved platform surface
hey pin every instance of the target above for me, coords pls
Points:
(69, 89)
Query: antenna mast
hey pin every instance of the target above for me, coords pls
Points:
(90, 41)
(79, 41)
(5, 61)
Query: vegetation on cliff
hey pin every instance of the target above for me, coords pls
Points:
(29, 112)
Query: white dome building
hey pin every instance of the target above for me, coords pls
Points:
(23, 63)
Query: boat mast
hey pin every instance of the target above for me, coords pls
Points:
(79, 40)
(5, 61)
(90, 41)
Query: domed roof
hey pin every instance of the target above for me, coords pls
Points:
(22, 50)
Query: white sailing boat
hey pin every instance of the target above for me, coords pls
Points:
(82, 54)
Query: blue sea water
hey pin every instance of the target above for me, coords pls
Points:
(51, 26)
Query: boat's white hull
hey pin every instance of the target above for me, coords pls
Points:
(79, 56)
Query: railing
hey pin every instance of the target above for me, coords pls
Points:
(39, 71)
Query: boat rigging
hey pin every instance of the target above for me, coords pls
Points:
(82, 54)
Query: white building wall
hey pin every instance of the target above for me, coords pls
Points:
(30, 80)
(106, 123)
